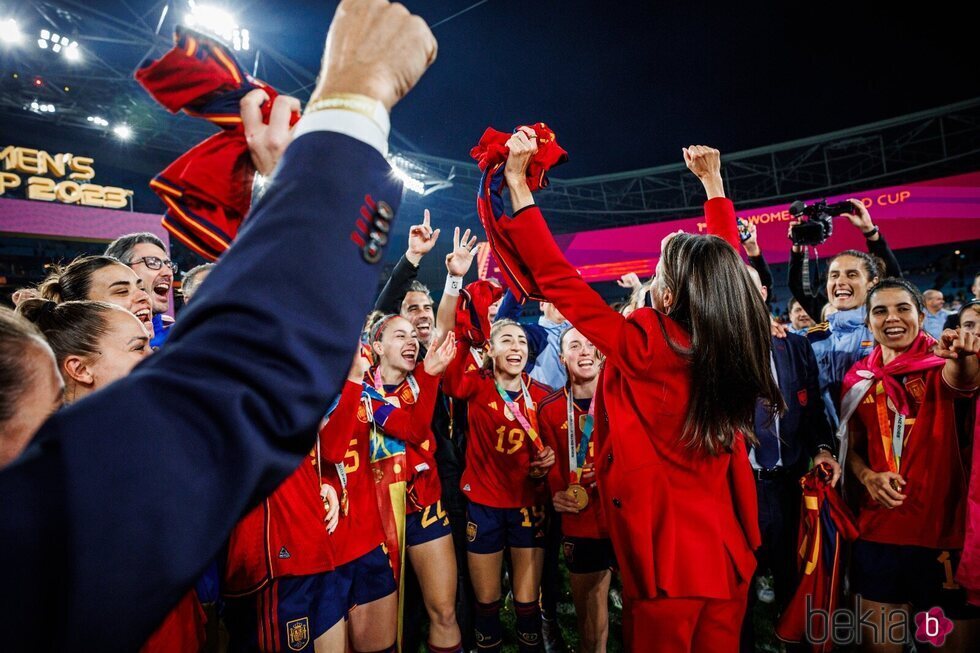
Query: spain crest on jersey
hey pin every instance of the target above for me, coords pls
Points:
(298, 633)
(915, 385)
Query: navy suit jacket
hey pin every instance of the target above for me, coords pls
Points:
(124, 497)
(804, 427)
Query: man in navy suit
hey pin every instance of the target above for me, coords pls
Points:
(124, 497)
(782, 456)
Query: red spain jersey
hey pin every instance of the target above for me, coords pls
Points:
(285, 535)
(553, 417)
(345, 438)
(498, 449)
(934, 512)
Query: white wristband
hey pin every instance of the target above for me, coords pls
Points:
(453, 285)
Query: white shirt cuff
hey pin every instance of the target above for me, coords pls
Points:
(353, 124)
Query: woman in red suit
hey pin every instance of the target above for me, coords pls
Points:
(677, 393)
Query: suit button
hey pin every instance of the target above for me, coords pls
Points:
(384, 211)
(617, 503)
(371, 252)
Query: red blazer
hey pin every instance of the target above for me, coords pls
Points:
(683, 523)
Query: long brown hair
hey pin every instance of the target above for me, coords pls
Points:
(716, 301)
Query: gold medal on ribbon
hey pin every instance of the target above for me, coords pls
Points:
(579, 494)
(344, 502)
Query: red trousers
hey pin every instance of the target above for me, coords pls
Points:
(679, 625)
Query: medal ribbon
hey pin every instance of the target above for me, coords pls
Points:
(410, 379)
(578, 453)
(893, 438)
(527, 423)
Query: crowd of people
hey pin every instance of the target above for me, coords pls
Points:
(273, 471)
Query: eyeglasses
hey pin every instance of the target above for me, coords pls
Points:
(155, 263)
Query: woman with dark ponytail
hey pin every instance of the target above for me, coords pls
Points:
(94, 343)
(676, 403)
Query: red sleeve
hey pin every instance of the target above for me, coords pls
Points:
(413, 422)
(335, 435)
(719, 214)
(625, 342)
(461, 381)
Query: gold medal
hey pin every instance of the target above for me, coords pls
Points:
(344, 502)
(538, 472)
(579, 494)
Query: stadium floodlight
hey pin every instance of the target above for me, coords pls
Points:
(217, 21)
(60, 44)
(10, 32)
(37, 107)
(123, 131)
(98, 121)
(72, 53)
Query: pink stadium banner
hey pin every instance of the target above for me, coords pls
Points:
(65, 221)
(927, 213)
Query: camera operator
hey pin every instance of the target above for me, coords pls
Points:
(877, 246)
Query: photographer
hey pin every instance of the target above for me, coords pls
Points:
(877, 246)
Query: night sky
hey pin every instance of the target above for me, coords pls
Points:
(626, 85)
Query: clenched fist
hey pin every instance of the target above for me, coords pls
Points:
(705, 163)
(375, 48)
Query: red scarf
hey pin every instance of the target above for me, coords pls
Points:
(491, 155)
(472, 307)
(208, 190)
(917, 358)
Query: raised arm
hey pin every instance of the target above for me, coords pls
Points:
(462, 377)
(812, 303)
(412, 422)
(421, 240)
(458, 263)
(608, 330)
(861, 220)
(756, 259)
(335, 433)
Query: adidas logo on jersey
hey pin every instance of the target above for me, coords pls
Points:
(283, 553)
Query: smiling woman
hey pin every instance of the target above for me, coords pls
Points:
(505, 464)
(102, 279)
(901, 445)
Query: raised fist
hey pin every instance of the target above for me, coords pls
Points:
(375, 48)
